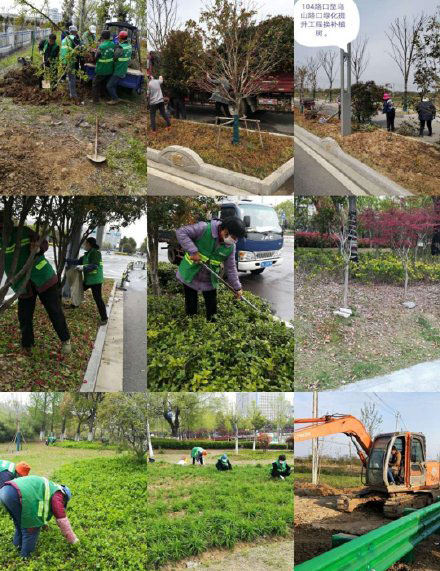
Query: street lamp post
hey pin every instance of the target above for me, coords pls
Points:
(346, 91)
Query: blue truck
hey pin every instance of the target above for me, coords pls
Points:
(260, 249)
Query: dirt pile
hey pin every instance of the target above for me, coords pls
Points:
(323, 490)
(23, 86)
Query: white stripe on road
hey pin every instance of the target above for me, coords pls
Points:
(353, 188)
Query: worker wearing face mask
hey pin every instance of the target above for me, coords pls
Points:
(212, 243)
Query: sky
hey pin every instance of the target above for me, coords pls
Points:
(419, 412)
(138, 230)
(190, 9)
(376, 18)
(23, 398)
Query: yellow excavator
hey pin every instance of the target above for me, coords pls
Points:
(416, 481)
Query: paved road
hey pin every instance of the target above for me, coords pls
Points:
(135, 336)
(272, 122)
(314, 176)
(274, 284)
(424, 377)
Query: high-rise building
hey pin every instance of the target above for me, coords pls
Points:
(55, 15)
(267, 403)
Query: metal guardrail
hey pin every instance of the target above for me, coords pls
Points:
(378, 550)
(15, 39)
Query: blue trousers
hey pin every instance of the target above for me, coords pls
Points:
(391, 479)
(24, 539)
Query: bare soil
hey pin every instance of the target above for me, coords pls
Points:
(382, 336)
(45, 139)
(264, 555)
(317, 519)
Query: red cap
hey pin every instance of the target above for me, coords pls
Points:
(123, 35)
(22, 468)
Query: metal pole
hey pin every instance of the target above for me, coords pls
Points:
(346, 92)
(315, 442)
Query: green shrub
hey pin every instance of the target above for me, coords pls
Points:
(242, 351)
(86, 445)
(107, 513)
(172, 444)
(200, 508)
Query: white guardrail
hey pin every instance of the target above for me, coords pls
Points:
(14, 39)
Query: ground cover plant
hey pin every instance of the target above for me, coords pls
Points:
(410, 163)
(107, 512)
(191, 510)
(381, 336)
(47, 368)
(241, 351)
(247, 158)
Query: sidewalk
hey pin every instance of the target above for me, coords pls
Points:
(135, 332)
(424, 377)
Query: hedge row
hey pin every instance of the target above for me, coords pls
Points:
(318, 240)
(373, 267)
(171, 444)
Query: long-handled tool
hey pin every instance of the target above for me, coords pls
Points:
(45, 84)
(96, 158)
(274, 317)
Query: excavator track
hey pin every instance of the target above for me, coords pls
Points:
(349, 503)
(395, 505)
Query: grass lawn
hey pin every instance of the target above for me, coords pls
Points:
(248, 157)
(335, 476)
(107, 513)
(192, 510)
(47, 368)
(382, 336)
(243, 457)
(411, 163)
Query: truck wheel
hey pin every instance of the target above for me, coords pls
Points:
(172, 256)
(259, 271)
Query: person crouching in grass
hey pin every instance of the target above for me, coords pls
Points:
(212, 243)
(280, 468)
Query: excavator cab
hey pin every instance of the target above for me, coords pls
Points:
(411, 471)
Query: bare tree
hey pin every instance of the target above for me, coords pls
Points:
(371, 418)
(359, 57)
(328, 61)
(313, 65)
(162, 18)
(403, 36)
(301, 76)
(343, 232)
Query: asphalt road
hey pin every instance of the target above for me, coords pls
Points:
(313, 179)
(271, 121)
(274, 285)
(135, 336)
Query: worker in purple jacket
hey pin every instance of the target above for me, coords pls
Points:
(212, 243)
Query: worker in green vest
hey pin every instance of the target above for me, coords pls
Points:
(70, 47)
(104, 65)
(42, 283)
(280, 468)
(50, 51)
(122, 57)
(212, 243)
(9, 471)
(89, 36)
(92, 267)
(223, 463)
(197, 455)
(32, 502)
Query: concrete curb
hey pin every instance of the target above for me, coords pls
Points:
(91, 375)
(367, 179)
(187, 164)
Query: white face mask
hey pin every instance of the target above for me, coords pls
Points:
(229, 241)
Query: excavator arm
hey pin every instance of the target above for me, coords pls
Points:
(328, 425)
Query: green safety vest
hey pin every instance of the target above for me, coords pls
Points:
(66, 53)
(36, 493)
(95, 276)
(41, 271)
(210, 254)
(195, 451)
(281, 465)
(121, 65)
(5, 465)
(105, 64)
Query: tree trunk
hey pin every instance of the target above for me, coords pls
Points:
(255, 440)
(153, 259)
(330, 92)
(150, 446)
(405, 267)
(346, 278)
(236, 129)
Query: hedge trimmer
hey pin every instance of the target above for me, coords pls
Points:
(225, 283)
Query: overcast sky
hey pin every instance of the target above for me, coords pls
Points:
(376, 18)
(419, 412)
(190, 9)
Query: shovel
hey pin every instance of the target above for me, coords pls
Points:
(96, 158)
(45, 84)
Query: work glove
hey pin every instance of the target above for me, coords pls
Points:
(80, 268)
(239, 294)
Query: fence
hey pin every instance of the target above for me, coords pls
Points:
(15, 39)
